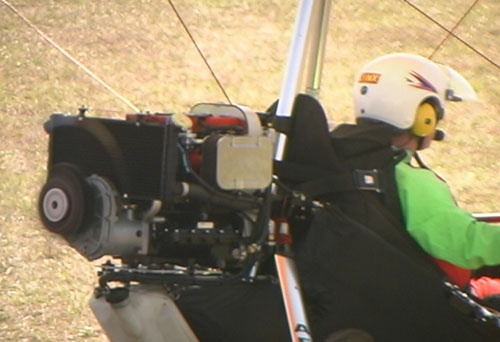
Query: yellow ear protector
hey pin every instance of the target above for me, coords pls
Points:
(425, 120)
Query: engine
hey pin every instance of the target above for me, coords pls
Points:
(157, 189)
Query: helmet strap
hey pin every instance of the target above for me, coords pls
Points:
(420, 143)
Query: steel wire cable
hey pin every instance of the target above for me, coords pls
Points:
(436, 49)
(199, 50)
(68, 55)
(450, 33)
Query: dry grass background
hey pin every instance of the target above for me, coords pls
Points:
(139, 48)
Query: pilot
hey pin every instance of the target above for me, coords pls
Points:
(409, 93)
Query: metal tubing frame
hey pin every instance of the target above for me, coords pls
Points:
(488, 217)
(292, 298)
(310, 33)
(311, 27)
(317, 47)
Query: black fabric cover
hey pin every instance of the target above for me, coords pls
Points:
(236, 312)
(351, 278)
(368, 147)
(308, 142)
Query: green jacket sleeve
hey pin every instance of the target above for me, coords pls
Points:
(444, 230)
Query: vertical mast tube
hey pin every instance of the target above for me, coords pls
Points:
(310, 33)
(294, 68)
(317, 48)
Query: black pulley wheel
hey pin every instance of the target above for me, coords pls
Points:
(62, 201)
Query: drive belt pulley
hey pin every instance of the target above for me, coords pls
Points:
(62, 203)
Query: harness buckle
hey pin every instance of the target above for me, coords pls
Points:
(368, 180)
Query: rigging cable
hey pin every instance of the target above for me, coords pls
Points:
(453, 29)
(199, 50)
(452, 34)
(71, 58)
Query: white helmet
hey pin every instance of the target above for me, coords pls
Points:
(393, 88)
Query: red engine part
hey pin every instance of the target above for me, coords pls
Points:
(195, 156)
(218, 121)
(152, 118)
(195, 159)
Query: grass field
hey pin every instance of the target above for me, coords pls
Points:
(139, 48)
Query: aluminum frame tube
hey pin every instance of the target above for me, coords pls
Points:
(292, 297)
(294, 69)
(317, 49)
(311, 28)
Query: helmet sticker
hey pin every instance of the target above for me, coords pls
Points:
(369, 77)
(418, 81)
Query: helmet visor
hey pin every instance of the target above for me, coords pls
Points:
(459, 89)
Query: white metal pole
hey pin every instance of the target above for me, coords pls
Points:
(292, 297)
(317, 48)
(309, 12)
(294, 68)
